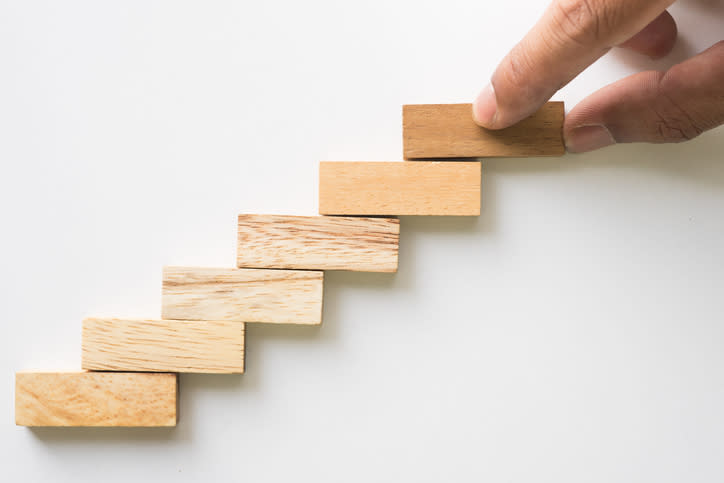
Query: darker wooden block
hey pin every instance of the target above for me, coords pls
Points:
(435, 131)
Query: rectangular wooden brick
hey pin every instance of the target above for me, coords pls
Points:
(318, 242)
(399, 188)
(212, 347)
(433, 131)
(245, 295)
(95, 399)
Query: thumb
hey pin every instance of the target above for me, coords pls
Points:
(654, 107)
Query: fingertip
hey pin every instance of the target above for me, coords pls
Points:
(485, 107)
(655, 40)
(583, 139)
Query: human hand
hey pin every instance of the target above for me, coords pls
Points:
(651, 106)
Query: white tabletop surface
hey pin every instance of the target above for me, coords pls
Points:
(574, 332)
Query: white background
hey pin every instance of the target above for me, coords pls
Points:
(572, 333)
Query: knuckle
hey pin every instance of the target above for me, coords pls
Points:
(583, 22)
(673, 121)
(675, 130)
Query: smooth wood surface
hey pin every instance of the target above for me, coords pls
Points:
(448, 131)
(212, 347)
(399, 188)
(245, 295)
(318, 242)
(95, 399)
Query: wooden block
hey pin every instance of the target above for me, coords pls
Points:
(212, 347)
(95, 399)
(318, 242)
(398, 188)
(448, 131)
(246, 295)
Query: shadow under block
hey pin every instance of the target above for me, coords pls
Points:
(318, 242)
(211, 347)
(399, 188)
(95, 399)
(448, 131)
(244, 295)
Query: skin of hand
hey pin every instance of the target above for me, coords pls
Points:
(656, 107)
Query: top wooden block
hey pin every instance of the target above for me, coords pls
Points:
(431, 131)
(318, 243)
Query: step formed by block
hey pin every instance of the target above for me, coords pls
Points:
(95, 399)
(211, 347)
(318, 243)
(399, 188)
(431, 131)
(241, 294)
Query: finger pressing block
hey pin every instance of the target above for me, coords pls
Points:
(95, 399)
(211, 347)
(448, 131)
(399, 188)
(318, 243)
(245, 295)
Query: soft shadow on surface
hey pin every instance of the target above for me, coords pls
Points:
(411, 229)
(700, 161)
(221, 385)
(190, 385)
(410, 226)
(290, 332)
(261, 336)
(683, 49)
(76, 436)
(712, 7)
(443, 224)
(211, 382)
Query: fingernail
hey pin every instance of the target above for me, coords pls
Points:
(588, 138)
(485, 107)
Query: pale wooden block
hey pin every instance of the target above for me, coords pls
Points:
(212, 347)
(318, 242)
(448, 131)
(95, 399)
(246, 295)
(399, 188)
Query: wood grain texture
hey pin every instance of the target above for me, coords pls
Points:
(212, 347)
(398, 188)
(448, 131)
(318, 242)
(245, 295)
(95, 399)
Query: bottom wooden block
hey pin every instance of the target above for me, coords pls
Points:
(95, 399)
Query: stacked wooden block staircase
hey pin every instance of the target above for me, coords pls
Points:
(130, 367)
